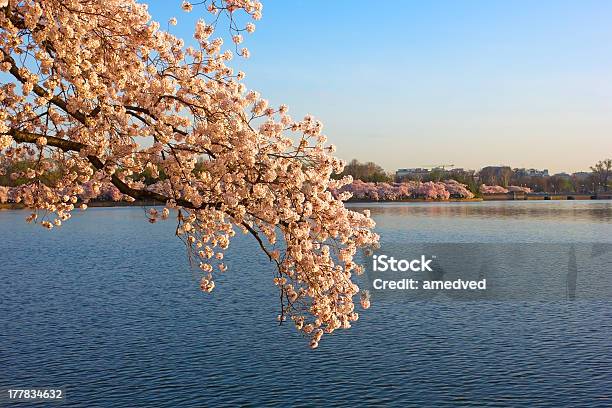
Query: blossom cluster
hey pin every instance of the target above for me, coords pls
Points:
(98, 87)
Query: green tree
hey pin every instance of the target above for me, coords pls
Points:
(601, 174)
(368, 172)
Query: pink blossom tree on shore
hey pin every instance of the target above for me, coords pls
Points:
(484, 189)
(519, 189)
(407, 190)
(457, 189)
(433, 190)
(101, 190)
(97, 86)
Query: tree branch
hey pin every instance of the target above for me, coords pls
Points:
(69, 145)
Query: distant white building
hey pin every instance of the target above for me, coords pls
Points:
(412, 173)
(531, 173)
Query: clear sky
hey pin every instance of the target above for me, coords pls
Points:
(413, 83)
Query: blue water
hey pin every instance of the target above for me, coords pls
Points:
(107, 307)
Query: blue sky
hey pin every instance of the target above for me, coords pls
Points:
(472, 83)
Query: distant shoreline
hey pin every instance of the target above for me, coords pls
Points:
(92, 204)
(109, 204)
(416, 200)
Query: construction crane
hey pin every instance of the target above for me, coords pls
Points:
(438, 166)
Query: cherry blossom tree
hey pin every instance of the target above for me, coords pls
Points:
(457, 189)
(433, 190)
(485, 189)
(98, 87)
(519, 189)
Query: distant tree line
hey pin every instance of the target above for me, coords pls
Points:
(599, 180)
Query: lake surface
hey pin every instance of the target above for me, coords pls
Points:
(107, 307)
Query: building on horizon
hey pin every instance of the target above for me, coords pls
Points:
(416, 173)
(522, 172)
